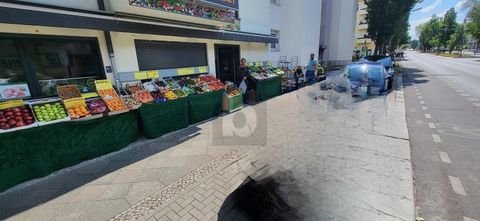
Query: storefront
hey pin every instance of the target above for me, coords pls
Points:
(79, 85)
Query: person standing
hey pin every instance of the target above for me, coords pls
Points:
(242, 79)
(312, 67)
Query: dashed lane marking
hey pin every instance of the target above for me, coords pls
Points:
(436, 138)
(422, 102)
(457, 185)
(431, 125)
(465, 95)
(428, 116)
(476, 104)
(420, 97)
(424, 108)
(444, 157)
(472, 99)
(468, 219)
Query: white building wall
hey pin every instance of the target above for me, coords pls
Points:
(81, 4)
(126, 56)
(299, 25)
(338, 30)
(254, 16)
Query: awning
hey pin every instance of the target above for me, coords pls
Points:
(109, 22)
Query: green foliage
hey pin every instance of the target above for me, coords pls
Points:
(414, 44)
(447, 27)
(458, 40)
(388, 22)
(473, 24)
(430, 34)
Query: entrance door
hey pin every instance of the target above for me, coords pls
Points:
(227, 61)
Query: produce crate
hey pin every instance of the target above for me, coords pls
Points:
(68, 92)
(49, 105)
(232, 103)
(15, 116)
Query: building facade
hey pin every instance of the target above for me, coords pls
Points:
(337, 31)
(362, 42)
(48, 42)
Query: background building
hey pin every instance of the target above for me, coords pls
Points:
(46, 42)
(362, 42)
(337, 31)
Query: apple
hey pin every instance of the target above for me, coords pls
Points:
(20, 124)
(18, 118)
(16, 109)
(18, 113)
(12, 122)
(9, 113)
(3, 120)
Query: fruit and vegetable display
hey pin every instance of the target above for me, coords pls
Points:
(208, 79)
(143, 96)
(47, 112)
(170, 95)
(234, 92)
(158, 97)
(215, 86)
(172, 84)
(150, 86)
(188, 90)
(78, 111)
(112, 100)
(180, 93)
(131, 102)
(133, 88)
(68, 92)
(97, 106)
(16, 117)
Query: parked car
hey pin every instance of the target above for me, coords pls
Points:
(367, 78)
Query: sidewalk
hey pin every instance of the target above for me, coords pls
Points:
(349, 161)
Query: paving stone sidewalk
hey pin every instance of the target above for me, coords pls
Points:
(350, 161)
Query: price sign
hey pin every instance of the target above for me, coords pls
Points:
(103, 84)
(89, 95)
(140, 75)
(152, 74)
(202, 69)
(78, 101)
(185, 71)
(11, 103)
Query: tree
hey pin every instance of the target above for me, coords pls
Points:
(384, 17)
(414, 44)
(473, 22)
(448, 27)
(429, 34)
(458, 40)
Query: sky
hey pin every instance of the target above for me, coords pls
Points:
(428, 8)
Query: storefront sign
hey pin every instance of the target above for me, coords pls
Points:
(13, 91)
(140, 75)
(202, 69)
(11, 103)
(89, 95)
(152, 74)
(103, 84)
(186, 71)
(78, 101)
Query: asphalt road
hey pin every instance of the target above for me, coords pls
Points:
(443, 116)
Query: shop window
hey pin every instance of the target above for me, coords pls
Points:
(275, 46)
(157, 55)
(45, 63)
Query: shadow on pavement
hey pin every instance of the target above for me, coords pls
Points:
(272, 198)
(42, 190)
(413, 76)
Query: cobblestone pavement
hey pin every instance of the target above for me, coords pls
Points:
(350, 161)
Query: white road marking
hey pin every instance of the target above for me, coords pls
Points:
(436, 138)
(422, 102)
(465, 95)
(468, 219)
(424, 108)
(476, 104)
(420, 97)
(472, 99)
(428, 116)
(431, 125)
(444, 157)
(457, 185)
(419, 94)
